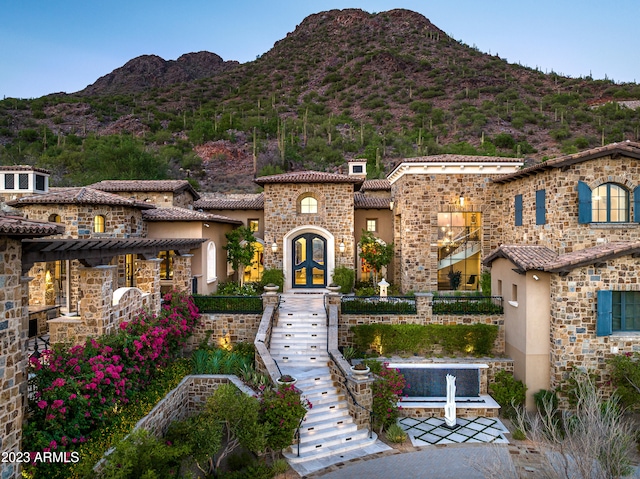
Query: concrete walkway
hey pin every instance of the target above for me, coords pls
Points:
(440, 462)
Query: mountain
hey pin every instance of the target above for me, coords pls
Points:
(151, 71)
(342, 84)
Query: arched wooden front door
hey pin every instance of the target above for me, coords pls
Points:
(309, 261)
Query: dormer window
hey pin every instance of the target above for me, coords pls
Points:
(9, 181)
(23, 181)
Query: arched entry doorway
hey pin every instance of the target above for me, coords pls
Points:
(309, 261)
(289, 252)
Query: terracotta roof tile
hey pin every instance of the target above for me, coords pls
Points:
(83, 195)
(24, 168)
(174, 186)
(541, 258)
(363, 202)
(19, 226)
(184, 214)
(308, 177)
(244, 202)
(627, 148)
(526, 257)
(376, 185)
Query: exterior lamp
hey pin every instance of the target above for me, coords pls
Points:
(274, 247)
(341, 247)
(462, 201)
(391, 205)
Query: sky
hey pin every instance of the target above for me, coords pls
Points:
(64, 45)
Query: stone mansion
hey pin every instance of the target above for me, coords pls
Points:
(561, 239)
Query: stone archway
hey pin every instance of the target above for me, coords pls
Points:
(288, 251)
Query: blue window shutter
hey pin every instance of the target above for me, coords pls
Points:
(541, 211)
(636, 204)
(605, 309)
(518, 210)
(584, 203)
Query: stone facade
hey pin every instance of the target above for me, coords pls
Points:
(574, 343)
(335, 216)
(13, 358)
(224, 329)
(562, 232)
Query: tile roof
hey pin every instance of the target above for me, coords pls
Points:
(525, 257)
(541, 258)
(376, 185)
(309, 177)
(83, 195)
(244, 202)
(363, 202)
(19, 226)
(175, 186)
(627, 148)
(185, 214)
(24, 168)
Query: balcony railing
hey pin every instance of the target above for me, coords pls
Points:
(228, 304)
(467, 305)
(378, 305)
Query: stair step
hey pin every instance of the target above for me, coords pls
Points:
(340, 439)
(332, 423)
(313, 435)
(325, 451)
(327, 410)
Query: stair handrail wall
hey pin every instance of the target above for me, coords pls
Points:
(264, 361)
(339, 373)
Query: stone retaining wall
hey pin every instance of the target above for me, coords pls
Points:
(223, 329)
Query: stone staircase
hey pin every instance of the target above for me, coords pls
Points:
(299, 346)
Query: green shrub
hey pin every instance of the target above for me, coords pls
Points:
(485, 283)
(474, 339)
(545, 397)
(344, 277)
(508, 392)
(396, 434)
(273, 276)
(625, 374)
(519, 435)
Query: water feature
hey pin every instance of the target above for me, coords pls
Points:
(429, 380)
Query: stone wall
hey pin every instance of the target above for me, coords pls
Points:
(223, 329)
(562, 232)
(574, 343)
(13, 362)
(335, 214)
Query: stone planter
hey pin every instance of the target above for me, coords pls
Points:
(333, 289)
(286, 383)
(271, 288)
(360, 373)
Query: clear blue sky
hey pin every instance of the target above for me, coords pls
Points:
(49, 46)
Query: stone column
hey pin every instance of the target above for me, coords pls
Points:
(148, 280)
(13, 356)
(182, 273)
(363, 394)
(97, 296)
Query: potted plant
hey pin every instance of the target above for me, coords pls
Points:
(286, 379)
(360, 371)
(334, 288)
(271, 288)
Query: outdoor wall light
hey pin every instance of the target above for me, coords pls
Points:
(536, 277)
(391, 205)
(274, 247)
(462, 201)
(341, 247)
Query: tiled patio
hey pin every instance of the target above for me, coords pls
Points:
(431, 431)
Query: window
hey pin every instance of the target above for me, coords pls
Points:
(499, 287)
(372, 224)
(211, 262)
(9, 181)
(518, 210)
(98, 224)
(308, 205)
(23, 181)
(254, 225)
(40, 182)
(610, 204)
(514, 292)
(357, 168)
(166, 265)
(618, 311)
(55, 218)
(541, 212)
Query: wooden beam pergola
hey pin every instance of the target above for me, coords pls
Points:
(94, 252)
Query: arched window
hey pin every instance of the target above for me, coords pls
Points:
(55, 218)
(610, 204)
(308, 204)
(211, 262)
(98, 224)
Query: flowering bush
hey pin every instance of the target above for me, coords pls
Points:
(78, 388)
(281, 410)
(387, 390)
